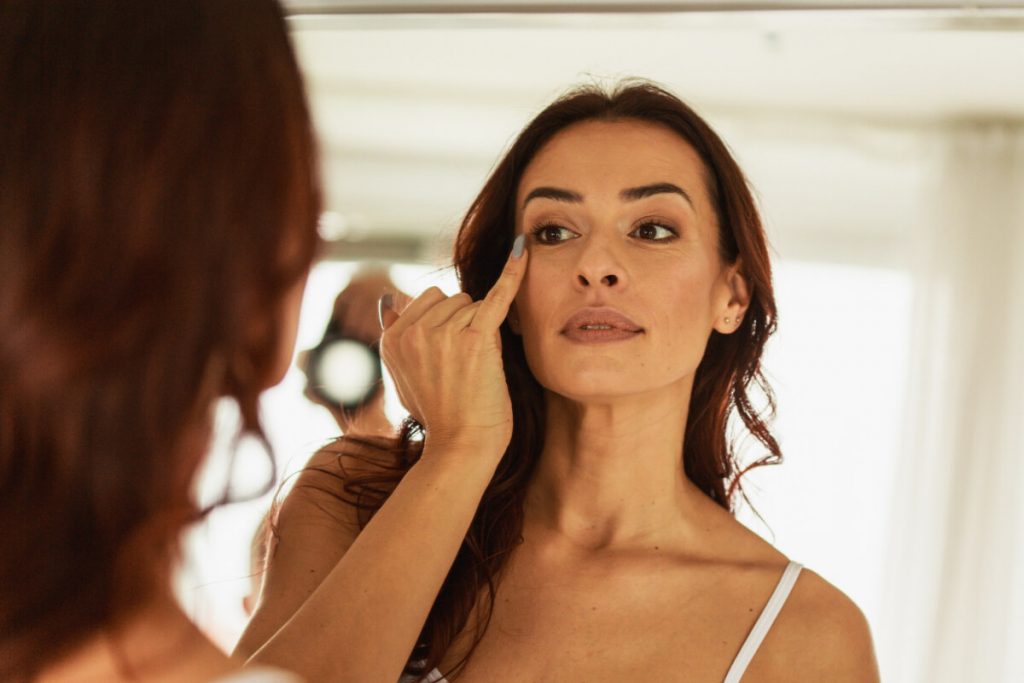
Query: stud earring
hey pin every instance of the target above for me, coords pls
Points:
(727, 321)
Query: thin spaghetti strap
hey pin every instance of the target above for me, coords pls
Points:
(764, 623)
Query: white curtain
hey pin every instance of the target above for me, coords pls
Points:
(954, 603)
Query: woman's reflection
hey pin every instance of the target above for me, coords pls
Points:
(567, 515)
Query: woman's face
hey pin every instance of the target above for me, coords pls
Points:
(618, 220)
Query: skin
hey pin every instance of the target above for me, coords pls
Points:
(626, 570)
(606, 403)
(159, 644)
(291, 305)
(445, 356)
(663, 580)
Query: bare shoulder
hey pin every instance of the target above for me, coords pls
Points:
(350, 454)
(323, 487)
(317, 523)
(820, 634)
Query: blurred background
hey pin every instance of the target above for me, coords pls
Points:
(885, 142)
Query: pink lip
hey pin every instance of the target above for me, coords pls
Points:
(622, 327)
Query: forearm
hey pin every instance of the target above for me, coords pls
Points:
(362, 622)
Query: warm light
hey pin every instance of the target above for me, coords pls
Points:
(346, 372)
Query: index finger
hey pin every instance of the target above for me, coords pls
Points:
(494, 307)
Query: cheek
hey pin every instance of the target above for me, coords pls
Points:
(536, 293)
(537, 303)
(681, 316)
(286, 335)
(689, 301)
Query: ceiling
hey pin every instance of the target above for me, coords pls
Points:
(415, 101)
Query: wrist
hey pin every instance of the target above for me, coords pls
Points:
(471, 441)
(462, 452)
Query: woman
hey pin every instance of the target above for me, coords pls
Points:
(568, 513)
(158, 208)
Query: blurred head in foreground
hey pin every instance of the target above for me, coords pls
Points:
(158, 203)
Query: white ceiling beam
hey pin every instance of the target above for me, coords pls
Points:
(359, 7)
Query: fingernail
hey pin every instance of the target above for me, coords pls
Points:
(386, 301)
(518, 246)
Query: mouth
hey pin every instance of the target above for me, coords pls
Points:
(598, 335)
(590, 325)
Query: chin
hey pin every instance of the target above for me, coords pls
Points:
(592, 387)
(607, 380)
(596, 398)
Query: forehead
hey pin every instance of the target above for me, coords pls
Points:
(599, 157)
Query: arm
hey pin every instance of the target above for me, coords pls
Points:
(358, 619)
(346, 607)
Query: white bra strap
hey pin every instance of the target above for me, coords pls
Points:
(764, 622)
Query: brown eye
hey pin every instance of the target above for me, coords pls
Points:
(655, 232)
(552, 234)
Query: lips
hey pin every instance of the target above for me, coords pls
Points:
(600, 324)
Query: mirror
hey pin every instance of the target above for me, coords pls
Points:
(886, 146)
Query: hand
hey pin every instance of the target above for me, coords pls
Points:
(444, 354)
(355, 308)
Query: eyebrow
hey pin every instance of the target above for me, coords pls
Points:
(556, 193)
(634, 193)
(630, 194)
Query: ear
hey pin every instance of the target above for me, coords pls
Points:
(733, 299)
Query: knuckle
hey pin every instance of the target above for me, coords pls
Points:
(427, 295)
(472, 335)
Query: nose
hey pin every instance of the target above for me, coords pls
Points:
(597, 266)
(610, 279)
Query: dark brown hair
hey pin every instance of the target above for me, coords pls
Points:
(731, 363)
(158, 201)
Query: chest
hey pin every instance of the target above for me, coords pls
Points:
(658, 623)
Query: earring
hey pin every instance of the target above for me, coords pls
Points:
(727, 321)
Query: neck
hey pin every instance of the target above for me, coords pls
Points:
(157, 643)
(611, 472)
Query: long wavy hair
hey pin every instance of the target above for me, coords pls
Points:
(158, 202)
(730, 368)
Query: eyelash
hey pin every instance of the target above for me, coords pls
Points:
(536, 232)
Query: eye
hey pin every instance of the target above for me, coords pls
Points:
(552, 234)
(655, 232)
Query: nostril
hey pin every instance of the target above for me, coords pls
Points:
(583, 280)
(610, 280)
